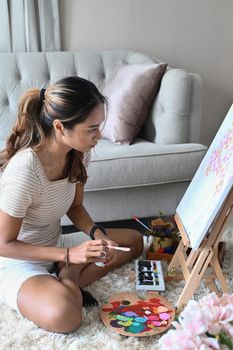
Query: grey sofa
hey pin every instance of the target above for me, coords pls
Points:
(144, 178)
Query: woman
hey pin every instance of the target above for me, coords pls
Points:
(43, 178)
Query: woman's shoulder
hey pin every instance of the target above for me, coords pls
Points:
(20, 176)
(25, 160)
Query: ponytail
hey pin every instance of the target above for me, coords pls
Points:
(28, 130)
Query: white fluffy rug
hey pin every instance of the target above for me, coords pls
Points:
(21, 334)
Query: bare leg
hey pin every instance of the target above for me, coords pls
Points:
(124, 237)
(53, 305)
(58, 304)
(83, 275)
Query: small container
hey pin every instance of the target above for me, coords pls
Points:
(159, 242)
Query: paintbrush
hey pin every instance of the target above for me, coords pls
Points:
(123, 249)
(140, 222)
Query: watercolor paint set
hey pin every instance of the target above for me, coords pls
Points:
(149, 275)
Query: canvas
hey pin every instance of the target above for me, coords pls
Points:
(210, 186)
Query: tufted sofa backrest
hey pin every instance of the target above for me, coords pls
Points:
(22, 71)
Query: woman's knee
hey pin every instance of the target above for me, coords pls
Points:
(64, 317)
(139, 243)
(136, 243)
(57, 309)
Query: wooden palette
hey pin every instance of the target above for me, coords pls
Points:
(127, 314)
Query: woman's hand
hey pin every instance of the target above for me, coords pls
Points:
(111, 255)
(98, 250)
(89, 252)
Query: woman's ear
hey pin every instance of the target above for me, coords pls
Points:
(58, 126)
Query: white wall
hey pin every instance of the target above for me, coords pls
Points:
(196, 35)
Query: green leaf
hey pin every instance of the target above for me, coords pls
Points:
(226, 340)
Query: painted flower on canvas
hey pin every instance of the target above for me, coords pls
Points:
(203, 325)
(220, 159)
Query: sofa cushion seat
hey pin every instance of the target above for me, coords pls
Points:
(158, 164)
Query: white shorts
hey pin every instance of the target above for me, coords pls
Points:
(17, 272)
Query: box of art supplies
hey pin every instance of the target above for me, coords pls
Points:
(165, 238)
(152, 255)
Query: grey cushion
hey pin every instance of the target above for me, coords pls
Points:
(172, 122)
(141, 164)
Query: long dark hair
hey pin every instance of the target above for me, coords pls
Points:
(70, 100)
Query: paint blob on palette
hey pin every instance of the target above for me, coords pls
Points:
(149, 275)
(127, 314)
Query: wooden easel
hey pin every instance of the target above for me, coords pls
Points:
(194, 265)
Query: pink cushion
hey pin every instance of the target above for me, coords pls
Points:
(130, 92)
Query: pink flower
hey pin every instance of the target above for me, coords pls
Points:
(226, 313)
(209, 344)
(210, 300)
(199, 322)
(221, 310)
(214, 328)
(179, 339)
(184, 340)
(195, 318)
(227, 299)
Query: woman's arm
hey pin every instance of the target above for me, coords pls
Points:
(12, 248)
(80, 217)
(82, 220)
